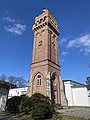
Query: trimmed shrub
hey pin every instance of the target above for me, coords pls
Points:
(13, 104)
(39, 106)
(19, 104)
(25, 105)
(41, 111)
(42, 108)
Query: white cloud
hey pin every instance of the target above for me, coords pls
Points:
(62, 41)
(82, 42)
(64, 53)
(62, 60)
(8, 19)
(16, 28)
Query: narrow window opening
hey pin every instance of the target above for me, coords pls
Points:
(39, 80)
(40, 43)
(53, 45)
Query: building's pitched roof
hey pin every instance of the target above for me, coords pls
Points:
(75, 84)
(6, 85)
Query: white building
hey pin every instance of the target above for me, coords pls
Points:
(17, 92)
(4, 89)
(3, 98)
(88, 87)
(76, 93)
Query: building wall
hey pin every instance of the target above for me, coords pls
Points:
(80, 96)
(68, 92)
(17, 92)
(3, 98)
(76, 94)
(89, 100)
(89, 95)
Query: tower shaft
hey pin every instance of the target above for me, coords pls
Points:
(45, 68)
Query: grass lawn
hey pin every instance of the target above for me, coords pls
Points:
(65, 117)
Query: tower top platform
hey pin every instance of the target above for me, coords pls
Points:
(46, 19)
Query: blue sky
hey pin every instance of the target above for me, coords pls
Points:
(16, 36)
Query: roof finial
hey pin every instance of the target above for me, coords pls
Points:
(44, 9)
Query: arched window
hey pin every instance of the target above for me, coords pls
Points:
(38, 80)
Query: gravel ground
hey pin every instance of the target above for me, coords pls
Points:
(82, 112)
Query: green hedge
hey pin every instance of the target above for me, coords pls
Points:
(13, 104)
(38, 105)
(25, 105)
(42, 108)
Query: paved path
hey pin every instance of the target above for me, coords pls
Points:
(82, 112)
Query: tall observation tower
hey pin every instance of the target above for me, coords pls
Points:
(45, 68)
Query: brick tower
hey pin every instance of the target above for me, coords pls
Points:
(45, 69)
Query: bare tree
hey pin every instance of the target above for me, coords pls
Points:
(3, 77)
(12, 80)
(18, 81)
(88, 81)
(21, 82)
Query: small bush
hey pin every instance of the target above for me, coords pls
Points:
(42, 108)
(19, 104)
(13, 103)
(38, 105)
(41, 111)
(25, 105)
